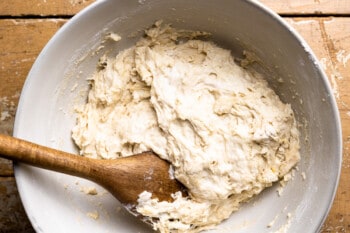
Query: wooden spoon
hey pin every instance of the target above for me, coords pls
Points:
(125, 178)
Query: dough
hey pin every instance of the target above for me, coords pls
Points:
(226, 133)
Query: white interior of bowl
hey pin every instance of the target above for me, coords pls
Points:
(57, 84)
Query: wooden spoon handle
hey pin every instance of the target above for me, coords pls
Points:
(44, 157)
(125, 178)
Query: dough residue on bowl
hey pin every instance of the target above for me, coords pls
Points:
(224, 130)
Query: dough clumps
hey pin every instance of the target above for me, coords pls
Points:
(226, 133)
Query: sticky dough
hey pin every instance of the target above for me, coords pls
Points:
(226, 133)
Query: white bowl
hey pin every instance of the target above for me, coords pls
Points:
(57, 83)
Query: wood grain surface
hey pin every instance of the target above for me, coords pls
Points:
(26, 26)
(309, 7)
(42, 7)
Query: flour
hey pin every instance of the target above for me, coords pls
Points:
(225, 132)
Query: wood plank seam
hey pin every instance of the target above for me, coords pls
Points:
(30, 16)
(313, 15)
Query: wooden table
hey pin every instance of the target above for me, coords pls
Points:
(26, 26)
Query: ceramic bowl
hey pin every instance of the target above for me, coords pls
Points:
(57, 83)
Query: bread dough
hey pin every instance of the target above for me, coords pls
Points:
(226, 133)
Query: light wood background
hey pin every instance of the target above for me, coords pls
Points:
(26, 26)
